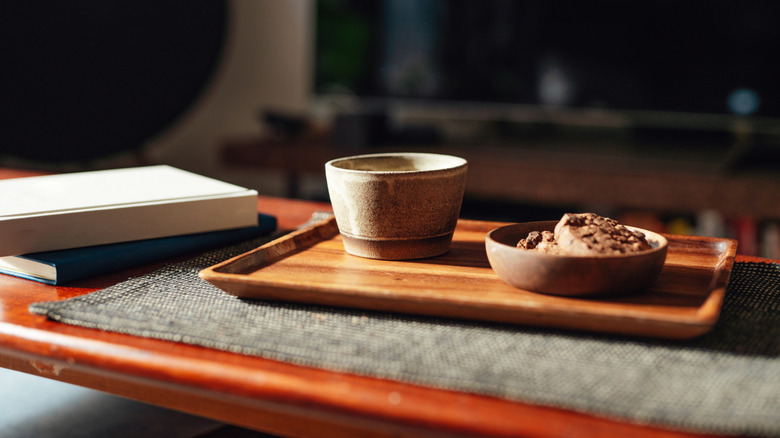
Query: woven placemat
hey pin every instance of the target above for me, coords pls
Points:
(727, 381)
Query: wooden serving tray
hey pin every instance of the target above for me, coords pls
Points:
(311, 266)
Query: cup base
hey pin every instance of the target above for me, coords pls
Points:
(397, 249)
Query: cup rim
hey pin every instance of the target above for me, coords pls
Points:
(457, 163)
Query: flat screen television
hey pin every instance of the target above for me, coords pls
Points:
(696, 66)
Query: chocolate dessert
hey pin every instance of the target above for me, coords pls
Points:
(586, 234)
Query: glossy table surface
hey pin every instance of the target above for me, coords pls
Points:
(258, 393)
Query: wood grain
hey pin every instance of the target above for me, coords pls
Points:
(311, 266)
(263, 394)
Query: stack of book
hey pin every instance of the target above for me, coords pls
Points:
(61, 228)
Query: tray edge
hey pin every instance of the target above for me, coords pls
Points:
(686, 327)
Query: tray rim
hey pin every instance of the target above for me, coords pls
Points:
(675, 326)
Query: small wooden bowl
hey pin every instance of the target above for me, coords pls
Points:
(571, 275)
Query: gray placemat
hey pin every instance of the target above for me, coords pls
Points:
(726, 382)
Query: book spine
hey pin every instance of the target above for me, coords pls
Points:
(109, 258)
(50, 232)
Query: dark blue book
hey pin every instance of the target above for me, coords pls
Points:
(67, 265)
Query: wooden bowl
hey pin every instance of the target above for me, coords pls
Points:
(571, 275)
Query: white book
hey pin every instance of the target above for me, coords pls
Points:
(45, 213)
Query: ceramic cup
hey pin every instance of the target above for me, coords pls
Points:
(396, 206)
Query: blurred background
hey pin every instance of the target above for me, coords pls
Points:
(660, 114)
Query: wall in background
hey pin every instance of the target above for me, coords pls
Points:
(266, 65)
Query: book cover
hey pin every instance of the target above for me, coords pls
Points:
(52, 212)
(67, 265)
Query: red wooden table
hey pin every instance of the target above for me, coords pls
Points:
(258, 393)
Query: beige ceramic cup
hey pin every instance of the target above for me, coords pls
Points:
(396, 206)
